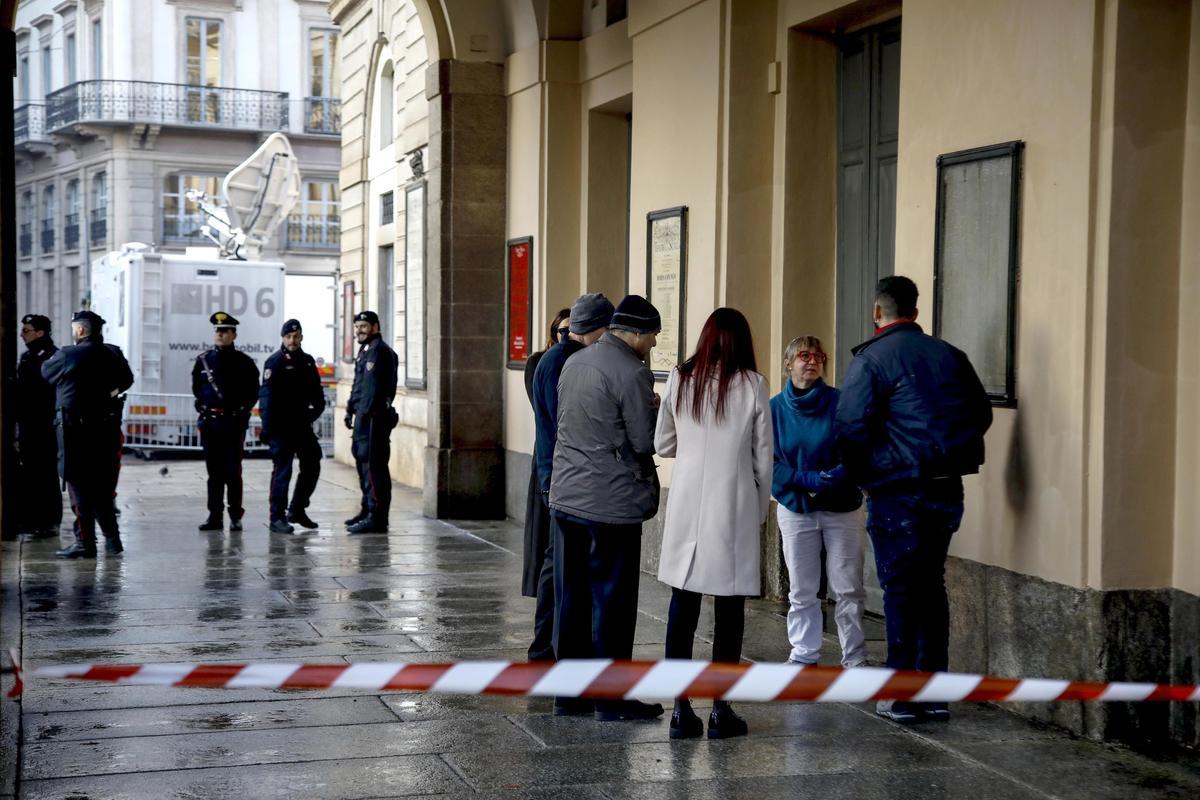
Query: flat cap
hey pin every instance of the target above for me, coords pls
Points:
(39, 322)
(367, 316)
(291, 326)
(89, 317)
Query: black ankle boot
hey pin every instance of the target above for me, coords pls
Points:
(213, 523)
(684, 722)
(723, 723)
(113, 545)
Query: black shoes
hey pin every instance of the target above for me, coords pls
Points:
(573, 707)
(113, 545)
(368, 525)
(301, 519)
(281, 526)
(723, 723)
(213, 523)
(627, 710)
(684, 722)
(357, 518)
(76, 550)
(235, 525)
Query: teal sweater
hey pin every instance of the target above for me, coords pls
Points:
(808, 476)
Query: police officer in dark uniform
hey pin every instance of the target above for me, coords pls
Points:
(40, 493)
(290, 401)
(370, 415)
(89, 378)
(225, 384)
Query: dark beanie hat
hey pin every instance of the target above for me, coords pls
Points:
(590, 312)
(636, 314)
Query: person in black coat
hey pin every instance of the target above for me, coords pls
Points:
(41, 496)
(89, 378)
(290, 401)
(370, 415)
(225, 385)
(537, 516)
(909, 424)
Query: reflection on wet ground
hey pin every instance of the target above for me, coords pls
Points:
(431, 591)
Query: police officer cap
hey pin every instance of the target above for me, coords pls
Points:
(38, 322)
(93, 319)
(291, 326)
(223, 320)
(367, 316)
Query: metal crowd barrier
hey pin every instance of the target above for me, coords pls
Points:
(167, 422)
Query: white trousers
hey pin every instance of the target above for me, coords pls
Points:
(843, 535)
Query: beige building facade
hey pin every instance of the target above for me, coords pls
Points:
(1034, 167)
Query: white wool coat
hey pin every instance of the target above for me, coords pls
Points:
(720, 488)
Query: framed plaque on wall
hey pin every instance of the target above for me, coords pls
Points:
(348, 321)
(520, 301)
(666, 283)
(414, 286)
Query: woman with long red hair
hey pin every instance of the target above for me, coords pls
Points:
(715, 420)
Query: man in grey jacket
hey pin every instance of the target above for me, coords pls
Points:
(604, 485)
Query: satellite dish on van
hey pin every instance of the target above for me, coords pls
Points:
(256, 197)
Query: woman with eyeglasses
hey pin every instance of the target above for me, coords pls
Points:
(715, 421)
(818, 506)
(537, 517)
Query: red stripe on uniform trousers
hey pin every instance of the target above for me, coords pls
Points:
(211, 675)
(716, 679)
(903, 686)
(519, 678)
(617, 679)
(417, 677)
(810, 683)
(315, 676)
(113, 673)
(992, 689)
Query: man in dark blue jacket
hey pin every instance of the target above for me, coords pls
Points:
(588, 322)
(290, 401)
(910, 424)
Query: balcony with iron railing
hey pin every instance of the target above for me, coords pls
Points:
(306, 232)
(29, 124)
(171, 104)
(48, 237)
(25, 240)
(183, 228)
(323, 115)
(71, 232)
(98, 225)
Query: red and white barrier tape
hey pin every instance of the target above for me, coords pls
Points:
(604, 679)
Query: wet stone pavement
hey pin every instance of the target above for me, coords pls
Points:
(429, 591)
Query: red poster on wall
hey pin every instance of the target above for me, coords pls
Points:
(520, 300)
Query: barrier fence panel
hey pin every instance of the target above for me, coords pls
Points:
(155, 422)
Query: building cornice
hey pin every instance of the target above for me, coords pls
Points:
(340, 9)
(66, 7)
(43, 21)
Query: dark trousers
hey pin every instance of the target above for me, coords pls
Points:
(728, 627)
(372, 447)
(542, 648)
(40, 490)
(595, 588)
(223, 440)
(305, 447)
(91, 459)
(910, 525)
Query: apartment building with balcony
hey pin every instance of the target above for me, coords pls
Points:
(121, 106)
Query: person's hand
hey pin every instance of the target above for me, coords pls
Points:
(349, 421)
(836, 475)
(657, 401)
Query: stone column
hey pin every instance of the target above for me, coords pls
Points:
(468, 125)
